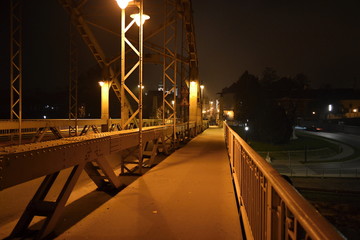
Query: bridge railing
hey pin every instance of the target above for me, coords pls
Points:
(270, 207)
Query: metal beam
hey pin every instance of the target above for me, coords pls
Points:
(16, 64)
(17, 162)
(73, 81)
(90, 40)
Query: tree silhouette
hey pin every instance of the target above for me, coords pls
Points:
(256, 106)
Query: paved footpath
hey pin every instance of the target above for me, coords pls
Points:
(187, 196)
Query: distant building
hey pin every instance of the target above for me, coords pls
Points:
(227, 105)
(306, 105)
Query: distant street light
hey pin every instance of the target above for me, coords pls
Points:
(246, 132)
(136, 17)
(330, 107)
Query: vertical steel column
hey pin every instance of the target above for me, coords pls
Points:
(124, 112)
(141, 31)
(170, 63)
(16, 64)
(125, 90)
(73, 81)
(184, 91)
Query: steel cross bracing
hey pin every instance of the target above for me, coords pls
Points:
(124, 89)
(107, 64)
(16, 64)
(170, 64)
(74, 9)
(19, 164)
(124, 75)
(73, 82)
(47, 129)
(173, 10)
(190, 36)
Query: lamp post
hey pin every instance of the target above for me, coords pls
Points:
(105, 86)
(139, 19)
(202, 105)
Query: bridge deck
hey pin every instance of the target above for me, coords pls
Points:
(187, 196)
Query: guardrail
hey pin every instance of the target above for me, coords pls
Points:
(270, 207)
(320, 172)
(8, 127)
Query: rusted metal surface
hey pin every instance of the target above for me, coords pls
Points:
(270, 207)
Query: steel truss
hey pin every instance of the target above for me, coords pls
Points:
(87, 153)
(170, 65)
(107, 66)
(173, 10)
(16, 63)
(73, 81)
(124, 75)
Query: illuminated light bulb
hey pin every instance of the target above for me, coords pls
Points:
(136, 17)
(101, 83)
(123, 3)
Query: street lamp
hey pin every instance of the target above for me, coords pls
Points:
(123, 3)
(136, 17)
(202, 102)
(105, 86)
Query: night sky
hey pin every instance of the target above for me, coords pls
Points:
(318, 38)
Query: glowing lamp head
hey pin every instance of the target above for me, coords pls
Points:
(202, 86)
(136, 17)
(330, 107)
(123, 3)
(101, 83)
(193, 83)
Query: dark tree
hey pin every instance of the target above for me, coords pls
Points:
(268, 77)
(256, 107)
(248, 96)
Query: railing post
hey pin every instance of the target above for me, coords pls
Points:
(268, 226)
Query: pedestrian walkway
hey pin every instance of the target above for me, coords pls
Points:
(189, 195)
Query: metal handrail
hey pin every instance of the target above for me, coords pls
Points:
(270, 207)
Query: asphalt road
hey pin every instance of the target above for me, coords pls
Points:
(351, 140)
